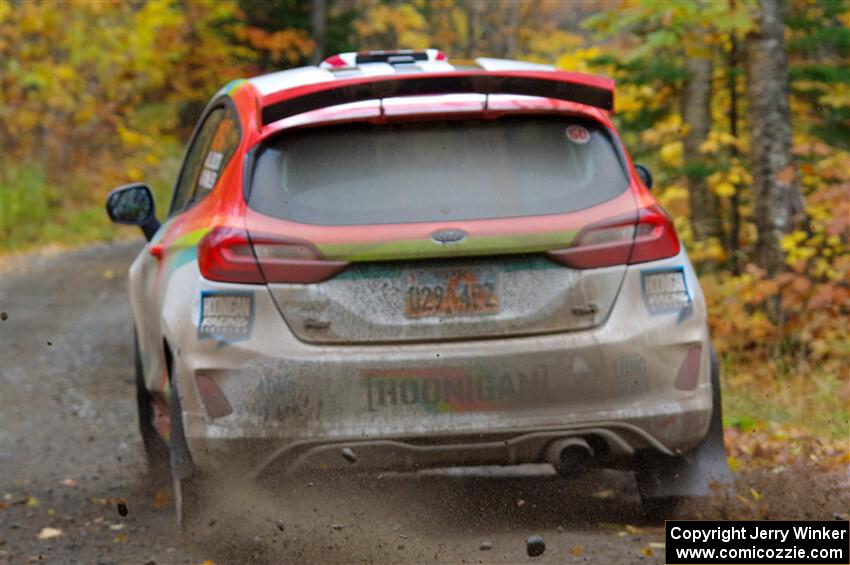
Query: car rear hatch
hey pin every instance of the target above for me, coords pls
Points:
(438, 230)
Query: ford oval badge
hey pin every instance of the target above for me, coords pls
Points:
(444, 237)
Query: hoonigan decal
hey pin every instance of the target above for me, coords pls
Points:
(665, 291)
(226, 316)
(453, 389)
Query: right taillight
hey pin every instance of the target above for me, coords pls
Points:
(232, 255)
(623, 241)
(655, 236)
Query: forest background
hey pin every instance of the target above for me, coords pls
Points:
(740, 108)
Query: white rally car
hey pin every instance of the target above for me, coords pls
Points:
(389, 261)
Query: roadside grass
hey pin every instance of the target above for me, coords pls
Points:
(816, 404)
(35, 212)
(786, 419)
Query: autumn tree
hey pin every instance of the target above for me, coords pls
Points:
(775, 188)
(466, 29)
(696, 115)
(318, 22)
(667, 59)
(106, 82)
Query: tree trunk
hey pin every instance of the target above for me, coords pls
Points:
(475, 16)
(511, 30)
(318, 21)
(735, 203)
(696, 113)
(775, 188)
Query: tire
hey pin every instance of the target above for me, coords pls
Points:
(155, 447)
(187, 485)
(655, 510)
(665, 482)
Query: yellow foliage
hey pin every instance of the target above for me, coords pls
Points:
(671, 153)
(577, 60)
(285, 45)
(385, 25)
(674, 198)
(668, 129)
(837, 96)
(724, 189)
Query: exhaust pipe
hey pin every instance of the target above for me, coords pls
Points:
(570, 456)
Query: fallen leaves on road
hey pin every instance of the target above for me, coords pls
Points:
(577, 551)
(774, 446)
(68, 482)
(47, 533)
(162, 498)
(647, 551)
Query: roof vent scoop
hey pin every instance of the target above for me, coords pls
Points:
(393, 57)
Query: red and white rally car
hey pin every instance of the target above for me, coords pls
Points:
(423, 264)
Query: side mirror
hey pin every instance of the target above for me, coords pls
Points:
(644, 175)
(133, 204)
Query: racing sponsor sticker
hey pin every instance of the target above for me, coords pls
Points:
(226, 316)
(213, 160)
(665, 290)
(453, 389)
(578, 134)
(207, 179)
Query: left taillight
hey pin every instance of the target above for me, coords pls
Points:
(225, 255)
(231, 255)
(648, 236)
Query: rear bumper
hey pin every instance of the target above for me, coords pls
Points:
(614, 443)
(499, 401)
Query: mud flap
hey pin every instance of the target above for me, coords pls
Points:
(661, 476)
(180, 460)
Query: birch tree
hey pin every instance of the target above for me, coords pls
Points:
(775, 186)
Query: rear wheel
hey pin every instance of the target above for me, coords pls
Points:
(666, 482)
(655, 510)
(156, 449)
(187, 485)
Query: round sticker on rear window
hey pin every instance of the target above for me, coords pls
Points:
(578, 134)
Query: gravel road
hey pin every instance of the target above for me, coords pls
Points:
(69, 451)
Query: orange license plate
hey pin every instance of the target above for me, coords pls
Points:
(451, 292)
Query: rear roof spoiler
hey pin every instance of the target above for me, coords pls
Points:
(573, 87)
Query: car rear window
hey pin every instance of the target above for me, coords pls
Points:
(434, 171)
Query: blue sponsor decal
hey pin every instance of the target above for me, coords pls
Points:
(665, 291)
(225, 315)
